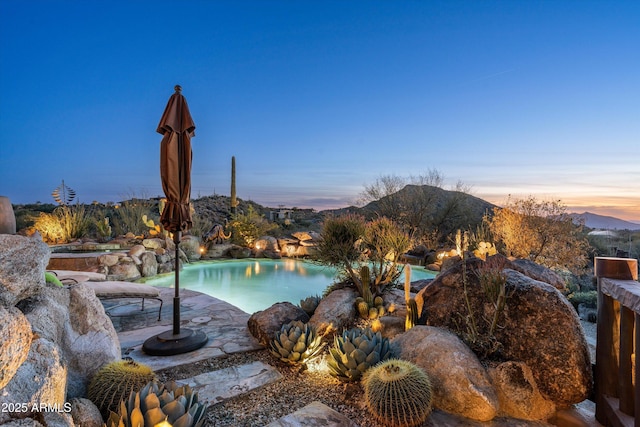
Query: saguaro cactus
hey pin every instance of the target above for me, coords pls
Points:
(234, 201)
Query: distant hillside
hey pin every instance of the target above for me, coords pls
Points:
(592, 220)
(437, 208)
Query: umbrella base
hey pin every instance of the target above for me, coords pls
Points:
(168, 344)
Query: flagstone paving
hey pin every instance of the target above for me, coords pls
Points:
(223, 384)
(315, 414)
(224, 324)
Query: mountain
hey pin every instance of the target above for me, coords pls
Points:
(430, 206)
(592, 220)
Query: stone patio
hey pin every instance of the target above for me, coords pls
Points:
(226, 327)
(224, 324)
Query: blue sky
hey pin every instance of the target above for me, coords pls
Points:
(318, 98)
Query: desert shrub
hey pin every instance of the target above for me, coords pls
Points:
(201, 224)
(49, 227)
(385, 242)
(589, 299)
(64, 224)
(248, 227)
(348, 243)
(541, 231)
(339, 244)
(129, 216)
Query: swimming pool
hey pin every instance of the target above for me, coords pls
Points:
(255, 284)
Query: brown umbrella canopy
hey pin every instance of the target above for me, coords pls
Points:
(177, 128)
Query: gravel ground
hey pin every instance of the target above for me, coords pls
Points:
(266, 404)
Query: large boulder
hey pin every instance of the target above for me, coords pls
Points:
(460, 383)
(153, 243)
(90, 340)
(335, 311)
(267, 243)
(85, 413)
(540, 273)
(538, 327)
(218, 251)
(395, 303)
(75, 320)
(15, 341)
(149, 266)
(190, 245)
(126, 269)
(518, 392)
(40, 380)
(239, 252)
(108, 260)
(23, 261)
(264, 324)
(24, 422)
(543, 330)
(137, 250)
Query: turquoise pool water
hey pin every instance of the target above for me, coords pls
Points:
(253, 285)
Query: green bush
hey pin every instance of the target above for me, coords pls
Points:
(589, 299)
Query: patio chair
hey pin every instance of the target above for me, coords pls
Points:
(124, 290)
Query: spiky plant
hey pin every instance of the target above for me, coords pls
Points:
(115, 381)
(398, 393)
(355, 351)
(309, 304)
(157, 403)
(296, 343)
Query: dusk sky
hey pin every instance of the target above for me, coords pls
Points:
(318, 98)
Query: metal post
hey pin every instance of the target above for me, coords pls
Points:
(176, 297)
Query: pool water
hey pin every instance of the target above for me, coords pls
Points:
(253, 285)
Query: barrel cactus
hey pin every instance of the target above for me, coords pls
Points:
(155, 403)
(355, 351)
(398, 393)
(296, 343)
(370, 311)
(115, 381)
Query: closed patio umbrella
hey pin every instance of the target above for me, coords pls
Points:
(177, 128)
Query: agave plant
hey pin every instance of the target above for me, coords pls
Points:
(356, 351)
(309, 304)
(155, 404)
(296, 343)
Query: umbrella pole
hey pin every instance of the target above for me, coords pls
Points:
(176, 297)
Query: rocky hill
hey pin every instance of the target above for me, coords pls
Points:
(426, 205)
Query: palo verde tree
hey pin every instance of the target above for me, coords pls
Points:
(541, 231)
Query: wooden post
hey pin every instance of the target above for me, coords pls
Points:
(625, 374)
(637, 378)
(608, 361)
